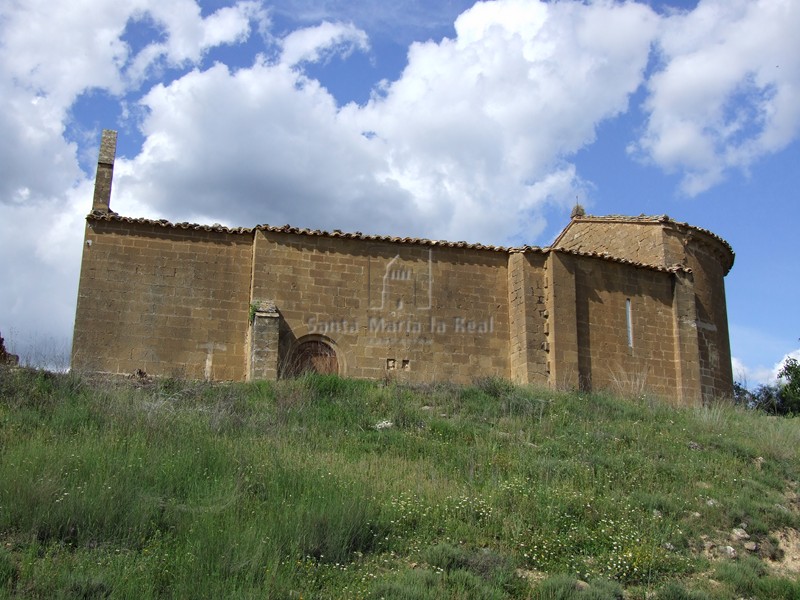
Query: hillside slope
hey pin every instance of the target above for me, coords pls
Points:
(323, 487)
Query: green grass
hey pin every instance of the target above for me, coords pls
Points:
(292, 489)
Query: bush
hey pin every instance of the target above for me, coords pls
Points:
(782, 398)
(790, 391)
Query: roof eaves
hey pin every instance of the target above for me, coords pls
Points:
(677, 268)
(216, 227)
(288, 229)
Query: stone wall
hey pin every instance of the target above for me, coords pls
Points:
(168, 301)
(207, 302)
(528, 317)
(663, 242)
(625, 328)
(410, 312)
(712, 321)
(631, 304)
(638, 241)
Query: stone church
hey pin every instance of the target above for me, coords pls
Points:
(630, 304)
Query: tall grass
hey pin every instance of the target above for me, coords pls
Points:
(331, 488)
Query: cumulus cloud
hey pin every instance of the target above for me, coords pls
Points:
(188, 35)
(313, 44)
(399, 20)
(725, 94)
(481, 127)
(50, 54)
(256, 164)
(469, 143)
(752, 376)
(760, 375)
(41, 249)
(472, 141)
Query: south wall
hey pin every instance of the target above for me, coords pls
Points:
(415, 313)
(168, 301)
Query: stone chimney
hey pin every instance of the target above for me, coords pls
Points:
(105, 172)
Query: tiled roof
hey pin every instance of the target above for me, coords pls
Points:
(659, 219)
(677, 268)
(111, 216)
(380, 238)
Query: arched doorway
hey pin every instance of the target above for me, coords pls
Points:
(313, 356)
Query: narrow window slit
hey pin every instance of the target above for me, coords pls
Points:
(629, 322)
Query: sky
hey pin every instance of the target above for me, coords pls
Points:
(483, 122)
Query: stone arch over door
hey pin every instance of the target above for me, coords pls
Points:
(313, 354)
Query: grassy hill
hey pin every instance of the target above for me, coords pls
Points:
(323, 487)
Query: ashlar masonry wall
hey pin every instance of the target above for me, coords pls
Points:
(164, 300)
(712, 320)
(631, 304)
(410, 312)
(662, 241)
(625, 322)
(529, 323)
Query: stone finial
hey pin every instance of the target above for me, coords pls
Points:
(577, 211)
(105, 172)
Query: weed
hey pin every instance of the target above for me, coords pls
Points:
(564, 587)
(675, 591)
(750, 577)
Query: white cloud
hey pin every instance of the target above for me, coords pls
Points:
(399, 20)
(477, 124)
(752, 376)
(50, 54)
(41, 249)
(188, 35)
(726, 92)
(280, 154)
(470, 142)
(760, 375)
(313, 44)
(474, 138)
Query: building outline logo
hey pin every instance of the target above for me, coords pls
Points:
(397, 275)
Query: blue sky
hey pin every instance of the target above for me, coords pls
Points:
(456, 120)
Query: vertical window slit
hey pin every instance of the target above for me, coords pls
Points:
(629, 322)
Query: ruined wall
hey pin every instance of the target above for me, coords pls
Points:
(171, 302)
(411, 312)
